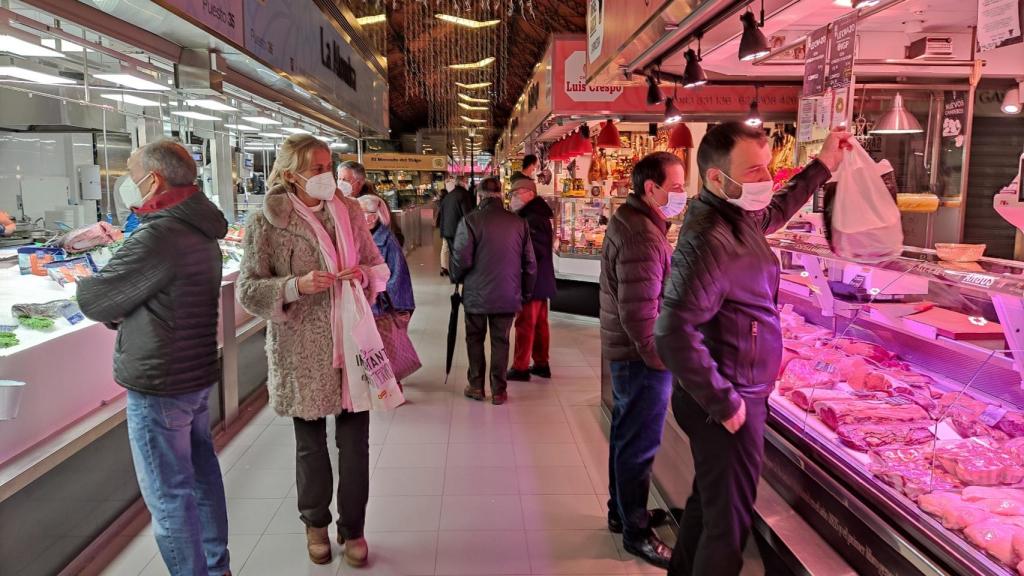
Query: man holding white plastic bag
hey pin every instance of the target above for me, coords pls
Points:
(718, 333)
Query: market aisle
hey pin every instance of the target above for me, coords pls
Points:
(457, 487)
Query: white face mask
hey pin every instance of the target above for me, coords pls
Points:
(345, 187)
(321, 186)
(676, 204)
(449, 185)
(755, 195)
(516, 204)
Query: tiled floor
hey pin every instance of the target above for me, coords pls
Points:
(457, 487)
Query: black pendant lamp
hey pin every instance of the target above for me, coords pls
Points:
(693, 74)
(754, 116)
(753, 44)
(654, 94)
(672, 112)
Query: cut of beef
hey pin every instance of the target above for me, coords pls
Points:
(910, 471)
(978, 462)
(866, 349)
(967, 425)
(1012, 423)
(952, 510)
(865, 437)
(804, 373)
(806, 398)
(834, 414)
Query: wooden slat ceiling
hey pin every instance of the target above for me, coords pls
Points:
(527, 40)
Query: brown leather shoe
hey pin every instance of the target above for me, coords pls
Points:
(318, 544)
(499, 399)
(474, 394)
(357, 553)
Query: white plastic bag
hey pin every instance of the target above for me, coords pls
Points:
(371, 381)
(863, 220)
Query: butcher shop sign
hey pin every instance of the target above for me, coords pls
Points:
(576, 86)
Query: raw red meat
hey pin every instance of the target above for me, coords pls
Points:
(834, 414)
(1015, 449)
(1012, 423)
(802, 373)
(864, 437)
(962, 402)
(865, 349)
(952, 510)
(805, 398)
(910, 471)
(997, 538)
(967, 425)
(1003, 507)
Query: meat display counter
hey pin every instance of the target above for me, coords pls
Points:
(897, 425)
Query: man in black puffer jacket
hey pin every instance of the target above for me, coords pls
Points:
(162, 292)
(493, 257)
(533, 338)
(456, 204)
(718, 333)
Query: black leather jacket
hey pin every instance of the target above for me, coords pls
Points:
(718, 330)
(454, 207)
(162, 289)
(493, 257)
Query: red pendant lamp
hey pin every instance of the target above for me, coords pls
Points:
(556, 151)
(586, 147)
(609, 136)
(680, 137)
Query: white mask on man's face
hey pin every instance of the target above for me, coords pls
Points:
(755, 196)
(449, 185)
(345, 187)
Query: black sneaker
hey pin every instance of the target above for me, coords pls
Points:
(518, 375)
(541, 371)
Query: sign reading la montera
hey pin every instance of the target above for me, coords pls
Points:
(330, 57)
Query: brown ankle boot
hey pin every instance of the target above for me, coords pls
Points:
(318, 544)
(357, 553)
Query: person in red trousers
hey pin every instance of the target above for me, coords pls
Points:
(532, 334)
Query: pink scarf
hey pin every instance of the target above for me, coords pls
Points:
(338, 255)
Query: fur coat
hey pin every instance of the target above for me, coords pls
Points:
(279, 245)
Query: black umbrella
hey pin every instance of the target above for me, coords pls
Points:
(453, 332)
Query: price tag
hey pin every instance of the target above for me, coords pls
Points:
(826, 367)
(992, 415)
(858, 281)
(72, 313)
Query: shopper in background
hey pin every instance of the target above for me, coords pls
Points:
(352, 184)
(7, 224)
(454, 207)
(161, 291)
(533, 337)
(634, 263)
(285, 278)
(397, 302)
(530, 166)
(493, 256)
(719, 334)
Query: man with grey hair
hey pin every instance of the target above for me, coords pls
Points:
(161, 292)
(352, 179)
(493, 257)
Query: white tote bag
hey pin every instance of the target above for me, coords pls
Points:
(864, 221)
(371, 381)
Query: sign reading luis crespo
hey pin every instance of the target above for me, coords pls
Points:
(330, 57)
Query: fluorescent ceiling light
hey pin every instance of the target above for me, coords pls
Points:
(273, 135)
(33, 76)
(473, 65)
(260, 146)
(15, 45)
(261, 120)
(468, 23)
(465, 106)
(194, 115)
(130, 81)
(211, 105)
(242, 127)
(476, 86)
(129, 99)
(473, 120)
(375, 19)
(325, 138)
(472, 99)
(293, 130)
(339, 145)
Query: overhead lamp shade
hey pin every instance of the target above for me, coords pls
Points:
(654, 94)
(680, 137)
(1012, 102)
(754, 116)
(898, 120)
(583, 145)
(672, 112)
(609, 136)
(693, 74)
(574, 144)
(556, 151)
(753, 44)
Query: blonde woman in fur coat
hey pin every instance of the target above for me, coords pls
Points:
(298, 251)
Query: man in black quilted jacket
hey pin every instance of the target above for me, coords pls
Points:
(718, 333)
(161, 292)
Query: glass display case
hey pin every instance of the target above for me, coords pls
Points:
(897, 425)
(580, 225)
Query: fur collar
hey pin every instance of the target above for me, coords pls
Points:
(277, 207)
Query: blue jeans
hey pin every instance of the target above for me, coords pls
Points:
(180, 479)
(641, 396)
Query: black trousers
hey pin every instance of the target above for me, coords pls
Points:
(476, 332)
(314, 477)
(719, 512)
